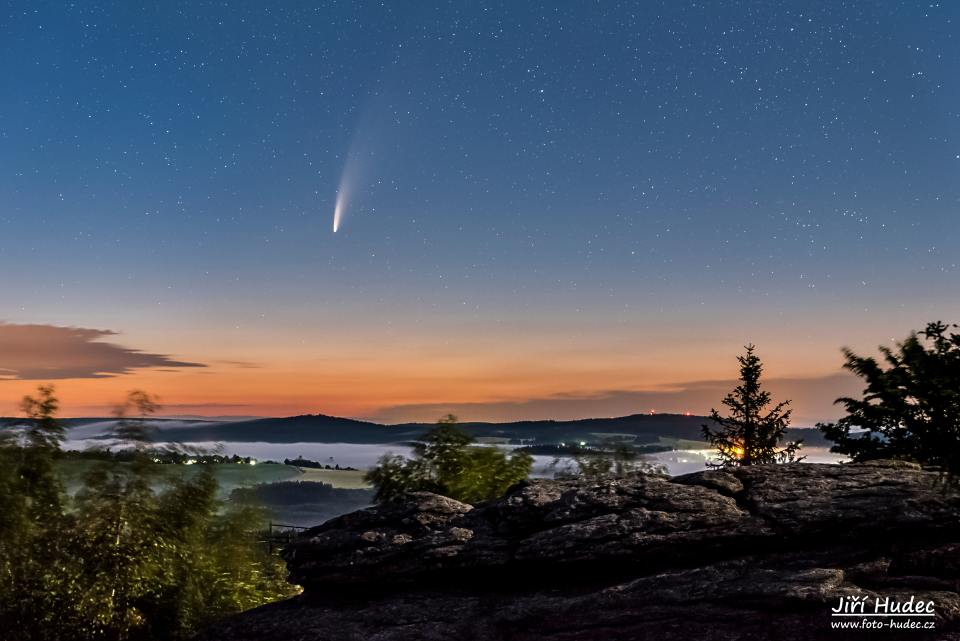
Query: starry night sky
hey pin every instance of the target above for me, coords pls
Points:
(553, 208)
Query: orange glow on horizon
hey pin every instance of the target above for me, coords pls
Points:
(512, 373)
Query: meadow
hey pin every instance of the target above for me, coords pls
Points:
(229, 475)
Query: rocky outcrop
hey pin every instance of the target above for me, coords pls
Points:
(753, 553)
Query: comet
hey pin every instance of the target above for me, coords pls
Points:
(339, 207)
(355, 170)
(348, 181)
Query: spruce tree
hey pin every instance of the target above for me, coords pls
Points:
(751, 434)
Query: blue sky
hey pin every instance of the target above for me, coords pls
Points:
(584, 177)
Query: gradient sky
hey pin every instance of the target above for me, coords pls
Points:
(552, 209)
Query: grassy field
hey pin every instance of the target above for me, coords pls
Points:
(231, 476)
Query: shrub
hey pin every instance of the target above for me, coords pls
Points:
(447, 461)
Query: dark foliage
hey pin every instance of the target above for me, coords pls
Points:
(161, 455)
(448, 462)
(299, 492)
(910, 408)
(134, 555)
(751, 434)
(316, 465)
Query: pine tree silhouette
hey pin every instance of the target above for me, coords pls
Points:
(751, 435)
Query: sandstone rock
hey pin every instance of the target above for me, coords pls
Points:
(754, 553)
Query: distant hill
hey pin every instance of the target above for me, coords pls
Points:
(310, 428)
(320, 428)
(646, 428)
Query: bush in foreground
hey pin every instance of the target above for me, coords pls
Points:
(447, 461)
(134, 555)
(910, 406)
